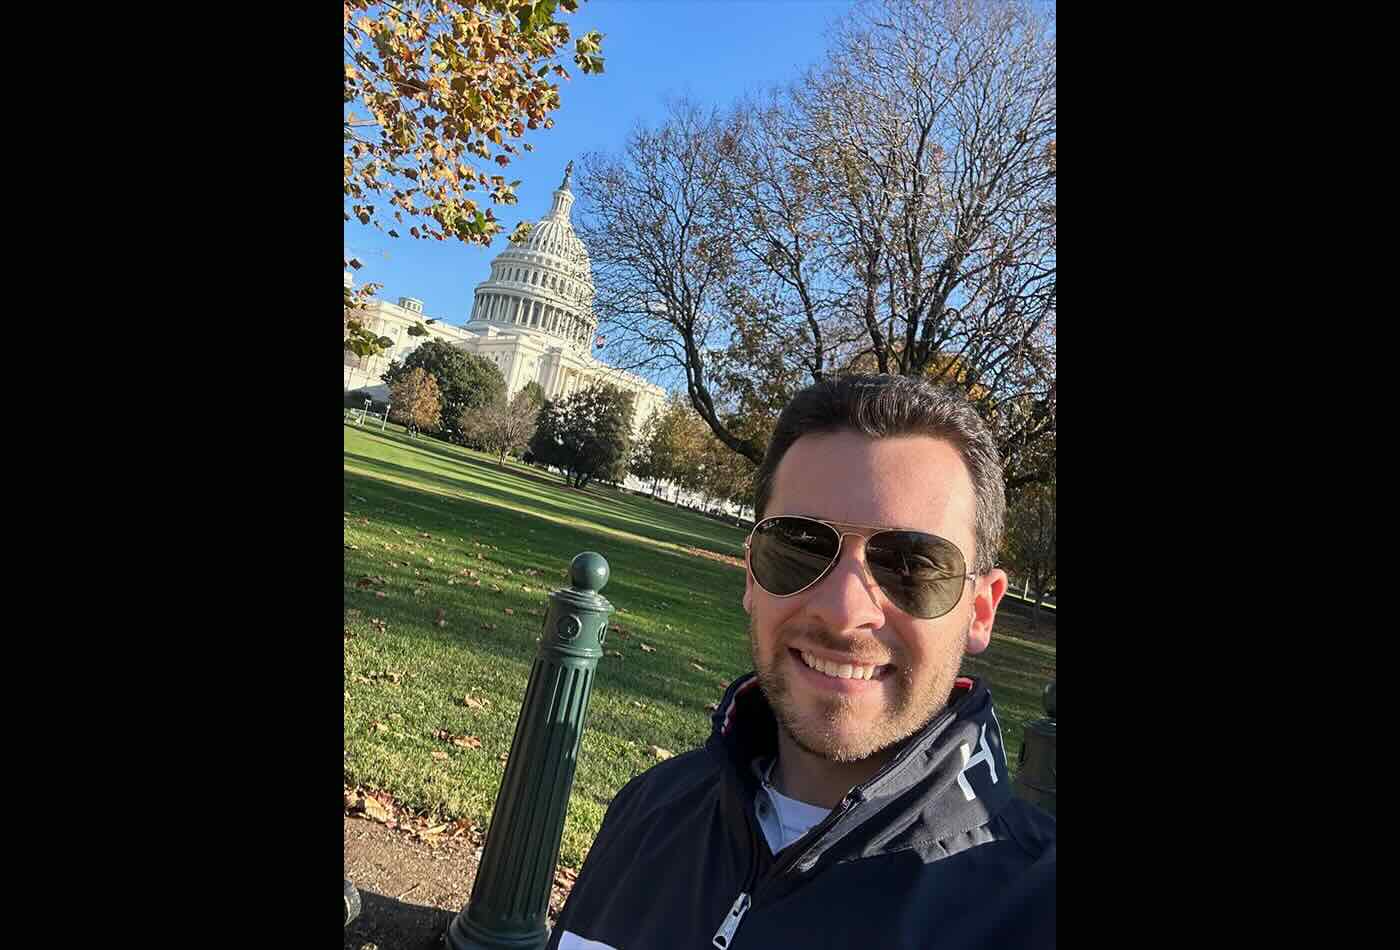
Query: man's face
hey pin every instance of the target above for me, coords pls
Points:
(912, 482)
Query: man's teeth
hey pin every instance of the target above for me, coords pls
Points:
(845, 671)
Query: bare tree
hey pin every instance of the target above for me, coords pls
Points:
(893, 211)
(932, 131)
(502, 428)
(660, 239)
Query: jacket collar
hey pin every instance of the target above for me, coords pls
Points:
(948, 778)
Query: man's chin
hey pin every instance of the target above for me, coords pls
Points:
(836, 739)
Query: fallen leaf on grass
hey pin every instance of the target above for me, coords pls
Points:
(488, 626)
(471, 702)
(381, 727)
(467, 742)
(699, 667)
(647, 649)
(439, 754)
(660, 753)
(380, 594)
(377, 810)
(509, 612)
(429, 560)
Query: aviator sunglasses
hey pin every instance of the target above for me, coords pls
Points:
(922, 574)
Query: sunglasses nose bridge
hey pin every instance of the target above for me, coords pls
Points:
(857, 551)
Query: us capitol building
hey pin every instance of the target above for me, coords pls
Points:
(533, 317)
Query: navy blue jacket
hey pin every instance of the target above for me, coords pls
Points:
(933, 851)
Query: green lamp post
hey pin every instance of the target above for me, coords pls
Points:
(510, 896)
(1035, 780)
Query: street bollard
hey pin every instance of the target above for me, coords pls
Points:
(1035, 779)
(510, 896)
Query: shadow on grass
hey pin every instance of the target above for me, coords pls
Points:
(393, 925)
(621, 512)
(643, 579)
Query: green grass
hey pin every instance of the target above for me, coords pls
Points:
(517, 528)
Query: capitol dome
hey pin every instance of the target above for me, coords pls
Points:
(544, 285)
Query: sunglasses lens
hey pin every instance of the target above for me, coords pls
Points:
(788, 554)
(921, 573)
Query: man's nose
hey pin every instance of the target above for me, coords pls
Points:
(847, 598)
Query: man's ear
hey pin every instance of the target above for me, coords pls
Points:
(748, 591)
(986, 594)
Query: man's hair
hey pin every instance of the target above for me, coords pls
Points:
(885, 406)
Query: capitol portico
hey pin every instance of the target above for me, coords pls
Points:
(533, 317)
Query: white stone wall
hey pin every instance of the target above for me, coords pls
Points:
(522, 356)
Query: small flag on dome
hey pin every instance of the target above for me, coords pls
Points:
(598, 343)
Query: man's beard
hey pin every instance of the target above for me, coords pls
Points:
(831, 732)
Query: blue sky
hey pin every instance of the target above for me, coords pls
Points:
(710, 50)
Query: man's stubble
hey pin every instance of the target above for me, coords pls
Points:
(819, 735)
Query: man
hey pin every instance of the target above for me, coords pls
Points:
(854, 790)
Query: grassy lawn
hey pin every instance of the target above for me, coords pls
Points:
(448, 564)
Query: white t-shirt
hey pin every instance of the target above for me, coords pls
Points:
(782, 819)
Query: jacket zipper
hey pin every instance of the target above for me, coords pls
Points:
(818, 830)
(724, 937)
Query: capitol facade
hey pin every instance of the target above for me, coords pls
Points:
(532, 317)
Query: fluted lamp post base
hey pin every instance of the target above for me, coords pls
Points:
(464, 934)
(510, 896)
